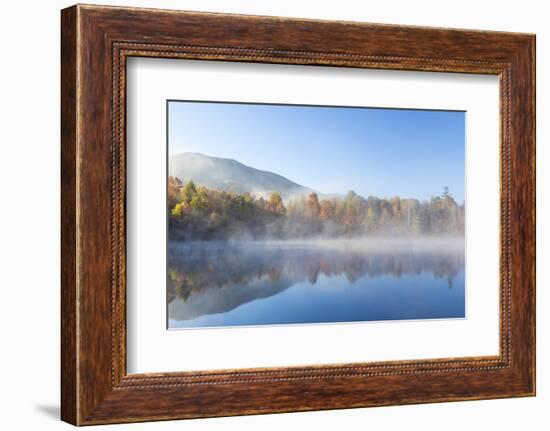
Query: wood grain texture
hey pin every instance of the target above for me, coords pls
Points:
(69, 397)
(96, 41)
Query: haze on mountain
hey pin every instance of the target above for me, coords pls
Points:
(231, 175)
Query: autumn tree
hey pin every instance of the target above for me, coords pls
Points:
(312, 207)
(351, 210)
(188, 192)
(326, 211)
(275, 204)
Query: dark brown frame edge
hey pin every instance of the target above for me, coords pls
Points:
(95, 43)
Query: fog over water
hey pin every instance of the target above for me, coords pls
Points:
(233, 283)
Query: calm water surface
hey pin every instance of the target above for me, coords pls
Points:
(213, 284)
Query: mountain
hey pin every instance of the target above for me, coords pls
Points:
(230, 175)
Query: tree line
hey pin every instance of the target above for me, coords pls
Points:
(200, 213)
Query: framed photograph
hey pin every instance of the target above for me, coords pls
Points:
(264, 214)
(251, 247)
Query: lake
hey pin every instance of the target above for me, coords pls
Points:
(220, 284)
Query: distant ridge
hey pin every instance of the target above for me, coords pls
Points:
(231, 175)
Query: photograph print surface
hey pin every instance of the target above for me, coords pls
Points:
(299, 214)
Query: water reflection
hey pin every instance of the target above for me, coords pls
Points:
(245, 283)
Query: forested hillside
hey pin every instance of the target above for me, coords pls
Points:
(201, 213)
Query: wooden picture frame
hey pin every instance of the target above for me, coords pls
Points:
(95, 43)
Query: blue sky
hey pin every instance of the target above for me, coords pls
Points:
(372, 151)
